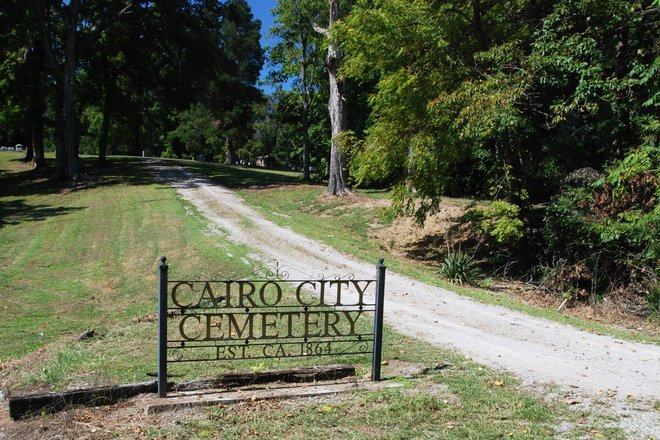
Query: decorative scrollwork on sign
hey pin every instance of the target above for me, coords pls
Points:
(176, 354)
(323, 277)
(275, 272)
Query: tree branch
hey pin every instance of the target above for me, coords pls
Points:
(320, 30)
(461, 13)
(100, 25)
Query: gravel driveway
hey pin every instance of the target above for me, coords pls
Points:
(620, 373)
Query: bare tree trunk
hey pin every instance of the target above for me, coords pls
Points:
(65, 154)
(305, 106)
(230, 152)
(478, 28)
(105, 128)
(37, 121)
(337, 107)
(65, 76)
(68, 168)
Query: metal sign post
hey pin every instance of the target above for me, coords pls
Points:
(162, 328)
(378, 320)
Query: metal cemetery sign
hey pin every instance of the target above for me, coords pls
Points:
(271, 316)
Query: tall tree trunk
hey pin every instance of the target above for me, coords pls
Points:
(65, 75)
(37, 124)
(59, 135)
(137, 128)
(66, 166)
(230, 152)
(105, 128)
(29, 153)
(477, 27)
(305, 105)
(69, 167)
(337, 107)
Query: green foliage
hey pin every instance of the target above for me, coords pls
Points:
(610, 231)
(198, 130)
(550, 88)
(499, 219)
(459, 268)
(653, 301)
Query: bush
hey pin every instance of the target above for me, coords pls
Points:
(500, 220)
(459, 267)
(607, 235)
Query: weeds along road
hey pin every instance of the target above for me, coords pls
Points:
(536, 350)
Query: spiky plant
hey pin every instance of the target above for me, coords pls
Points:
(459, 267)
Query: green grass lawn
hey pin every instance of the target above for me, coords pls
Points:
(85, 257)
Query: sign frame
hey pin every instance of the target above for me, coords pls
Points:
(234, 312)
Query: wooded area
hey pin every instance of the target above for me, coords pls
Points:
(546, 111)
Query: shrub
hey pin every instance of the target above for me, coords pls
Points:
(500, 220)
(610, 231)
(459, 267)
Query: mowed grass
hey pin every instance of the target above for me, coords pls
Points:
(85, 257)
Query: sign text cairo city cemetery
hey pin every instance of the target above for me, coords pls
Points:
(271, 317)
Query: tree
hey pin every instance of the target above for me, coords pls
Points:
(22, 80)
(233, 92)
(62, 53)
(298, 56)
(198, 131)
(337, 108)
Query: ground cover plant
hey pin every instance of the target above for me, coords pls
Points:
(84, 257)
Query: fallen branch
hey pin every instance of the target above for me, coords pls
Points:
(562, 304)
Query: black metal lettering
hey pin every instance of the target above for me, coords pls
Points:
(262, 293)
(339, 283)
(361, 291)
(289, 321)
(300, 301)
(233, 324)
(309, 322)
(209, 325)
(333, 324)
(182, 324)
(211, 296)
(175, 288)
(265, 324)
(227, 297)
(244, 295)
(352, 321)
(322, 293)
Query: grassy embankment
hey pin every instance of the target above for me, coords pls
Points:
(286, 201)
(84, 257)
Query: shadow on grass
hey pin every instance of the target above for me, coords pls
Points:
(21, 185)
(237, 177)
(19, 211)
(18, 187)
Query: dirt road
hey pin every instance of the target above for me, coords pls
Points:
(536, 350)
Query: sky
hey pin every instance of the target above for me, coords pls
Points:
(261, 10)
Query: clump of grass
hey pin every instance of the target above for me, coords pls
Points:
(61, 365)
(459, 268)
